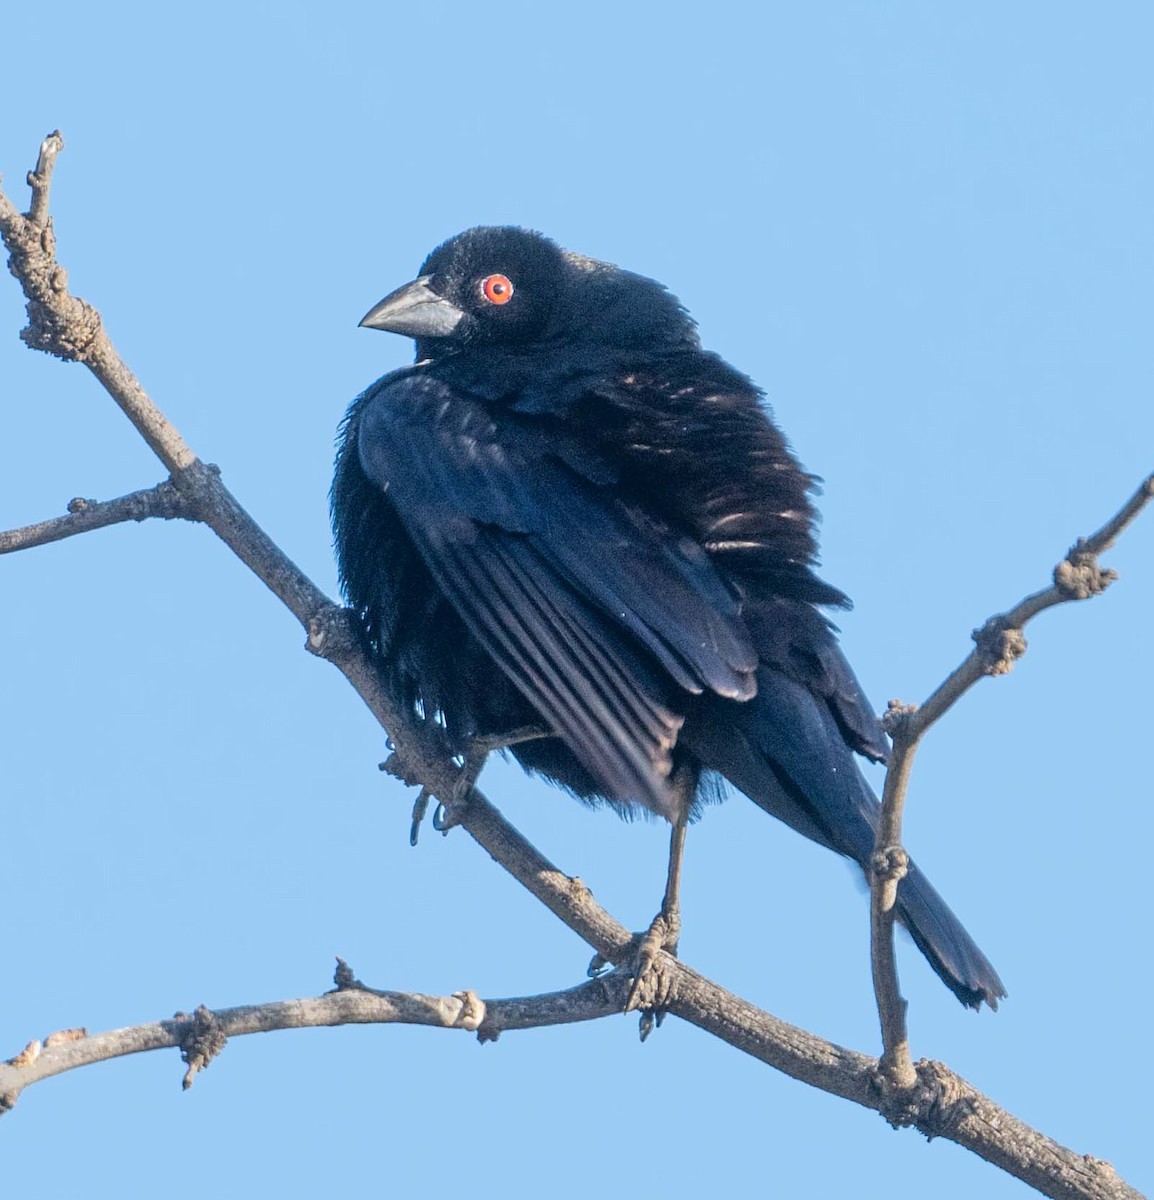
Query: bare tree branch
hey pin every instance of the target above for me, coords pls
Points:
(999, 642)
(942, 1104)
(997, 646)
(201, 1035)
(84, 515)
(937, 1101)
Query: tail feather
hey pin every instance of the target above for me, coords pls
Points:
(948, 948)
(786, 751)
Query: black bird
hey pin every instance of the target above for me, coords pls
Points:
(570, 531)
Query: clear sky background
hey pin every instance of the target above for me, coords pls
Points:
(924, 229)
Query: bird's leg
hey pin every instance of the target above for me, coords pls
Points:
(666, 926)
(450, 809)
(488, 742)
(648, 988)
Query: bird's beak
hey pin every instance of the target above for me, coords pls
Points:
(414, 310)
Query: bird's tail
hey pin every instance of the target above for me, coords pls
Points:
(948, 948)
(791, 755)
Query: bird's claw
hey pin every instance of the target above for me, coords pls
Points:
(450, 811)
(652, 985)
(599, 965)
(420, 807)
(651, 1019)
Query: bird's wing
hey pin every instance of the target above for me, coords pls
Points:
(594, 609)
(794, 638)
(791, 748)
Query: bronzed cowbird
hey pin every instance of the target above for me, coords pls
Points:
(569, 530)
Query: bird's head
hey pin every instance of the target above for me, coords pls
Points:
(507, 287)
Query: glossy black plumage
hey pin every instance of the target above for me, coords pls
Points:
(567, 514)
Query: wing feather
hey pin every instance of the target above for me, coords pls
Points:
(599, 615)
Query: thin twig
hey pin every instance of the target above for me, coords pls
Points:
(40, 180)
(61, 324)
(998, 644)
(163, 501)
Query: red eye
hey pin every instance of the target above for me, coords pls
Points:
(497, 289)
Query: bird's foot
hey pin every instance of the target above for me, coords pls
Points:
(652, 985)
(451, 809)
(448, 813)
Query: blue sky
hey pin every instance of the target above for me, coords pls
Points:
(923, 229)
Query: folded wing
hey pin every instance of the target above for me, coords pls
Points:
(603, 617)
